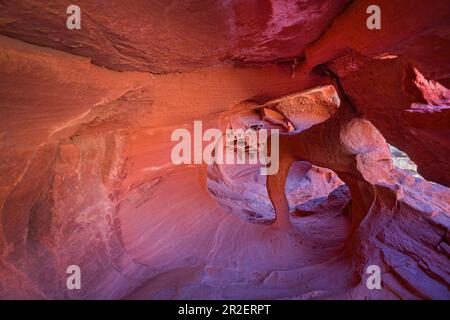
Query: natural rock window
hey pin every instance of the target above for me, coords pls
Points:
(241, 190)
(402, 161)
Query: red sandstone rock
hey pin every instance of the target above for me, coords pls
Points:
(417, 29)
(161, 37)
(86, 176)
(410, 111)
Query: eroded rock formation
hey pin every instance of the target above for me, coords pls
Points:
(86, 176)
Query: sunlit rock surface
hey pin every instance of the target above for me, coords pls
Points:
(86, 176)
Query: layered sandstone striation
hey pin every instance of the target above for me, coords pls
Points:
(86, 175)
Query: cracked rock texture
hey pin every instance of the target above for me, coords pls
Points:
(86, 176)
